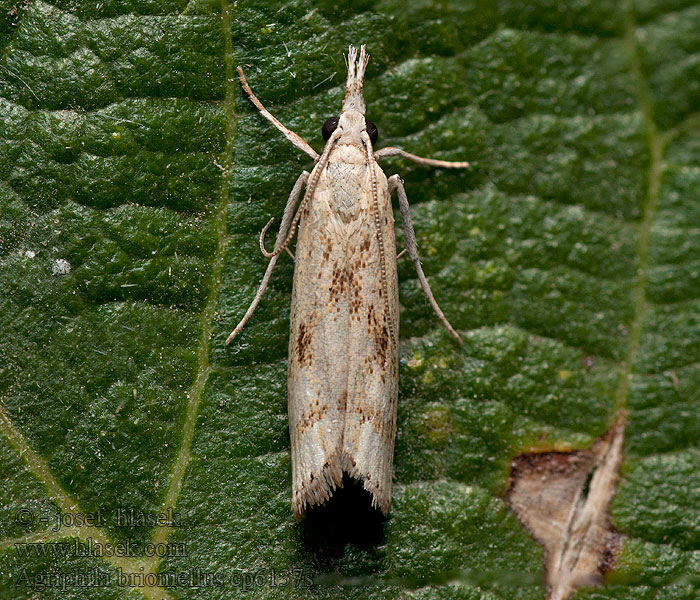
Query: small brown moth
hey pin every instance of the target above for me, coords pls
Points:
(343, 355)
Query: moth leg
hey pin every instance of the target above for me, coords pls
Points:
(400, 254)
(428, 162)
(281, 234)
(396, 184)
(288, 133)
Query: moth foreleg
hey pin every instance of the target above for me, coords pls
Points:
(296, 139)
(428, 162)
(281, 234)
(395, 184)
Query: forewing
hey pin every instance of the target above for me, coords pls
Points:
(370, 418)
(317, 354)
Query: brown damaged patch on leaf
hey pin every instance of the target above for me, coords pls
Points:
(563, 498)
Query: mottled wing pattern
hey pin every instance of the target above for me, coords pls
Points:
(342, 358)
(317, 376)
(370, 415)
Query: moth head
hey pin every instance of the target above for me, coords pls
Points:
(356, 75)
(352, 117)
(332, 124)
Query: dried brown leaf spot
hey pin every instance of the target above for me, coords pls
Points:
(563, 499)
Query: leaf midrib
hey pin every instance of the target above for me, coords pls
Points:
(161, 533)
(656, 143)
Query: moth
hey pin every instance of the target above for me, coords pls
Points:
(344, 330)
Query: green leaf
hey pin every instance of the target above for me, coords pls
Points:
(136, 177)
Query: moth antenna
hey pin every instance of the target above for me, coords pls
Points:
(380, 235)
(310, 189)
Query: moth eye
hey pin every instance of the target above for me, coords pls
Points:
(371, 131)
(329, 127)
